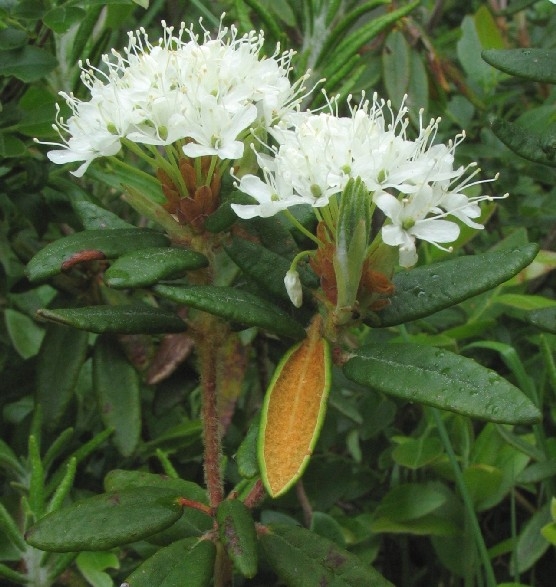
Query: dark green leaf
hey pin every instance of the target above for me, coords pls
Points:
(193, 522)
(148, 266)
(188, 562)
(545, 319)
(61, 18)
(107, 520)
(535, 64)
(425, 290)
(237, 533)
(95, 217)
(234, 305)
(246, 457)
(410, 501)
(442, 379)
(12, 39)
(265, 267)
(531, 544)
(25, 334)
(65, 252)
(28, 64)
(301, 558)
(524, 143)
(396, 56)
(116, 385)
(60, 360)
(125, 319)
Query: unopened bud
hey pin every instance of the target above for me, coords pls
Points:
(293, 287)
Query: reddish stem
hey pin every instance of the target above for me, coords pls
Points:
(211, 425)
(189, 503)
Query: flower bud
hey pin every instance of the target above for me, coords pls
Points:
(293, 287)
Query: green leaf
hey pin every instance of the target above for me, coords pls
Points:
(92, 565)
(526, 144)
(351, 44)
(148, 266)
(396, 56)
(61, 18)
(116, 386)
(27, 64)
(186, 562)
(193, 522)
(442, 379)
(425, 290)
(25, 334)
(95, 217)
(525, 302)
(11, 38)
(237, 533)
(265, 267)
(234, 305)
(352, 235)
(534, 64)
(11, 146)
(531, 544)
(67, 251)
(410, 501)
(300, 558)
(246, 456)
(545, 319)
(107, 520)
(415, 453)
(124, 319)
(61, 357)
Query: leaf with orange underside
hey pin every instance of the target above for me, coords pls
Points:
(293, 411)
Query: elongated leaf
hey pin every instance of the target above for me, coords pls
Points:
(148, 266)
(188, 562)
(425, 290)
(237, 532)
(125, 319)
(116, 386)
(266, 267)
(107, 520)
(545, 319)
(353, 42)
(234, 305)
(523, 142)
(442, 379)
(60, 359)
(293, 412)
(108, 244)
(301, 558)
(410, 501)
(193, 522)
(535, 64)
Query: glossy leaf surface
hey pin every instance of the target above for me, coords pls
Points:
(425, 290)
(301, 558)
(116, 386)
(62, 253)
(442, 379)
(107, 520)
(148, 266)
(187, 562)
(61, 357)
(535, 64)
(125, 319)
(235, 305)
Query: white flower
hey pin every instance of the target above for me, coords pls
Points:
(409, 220)
(413, 182)
(293, 287)
(203, 94)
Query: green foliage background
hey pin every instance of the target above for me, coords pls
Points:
(380, 483)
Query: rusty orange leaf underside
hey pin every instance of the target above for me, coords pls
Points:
(295, 410)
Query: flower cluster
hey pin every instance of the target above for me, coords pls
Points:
(413, 182)
(202, 94)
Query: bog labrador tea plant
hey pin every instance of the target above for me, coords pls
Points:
(279, 238)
